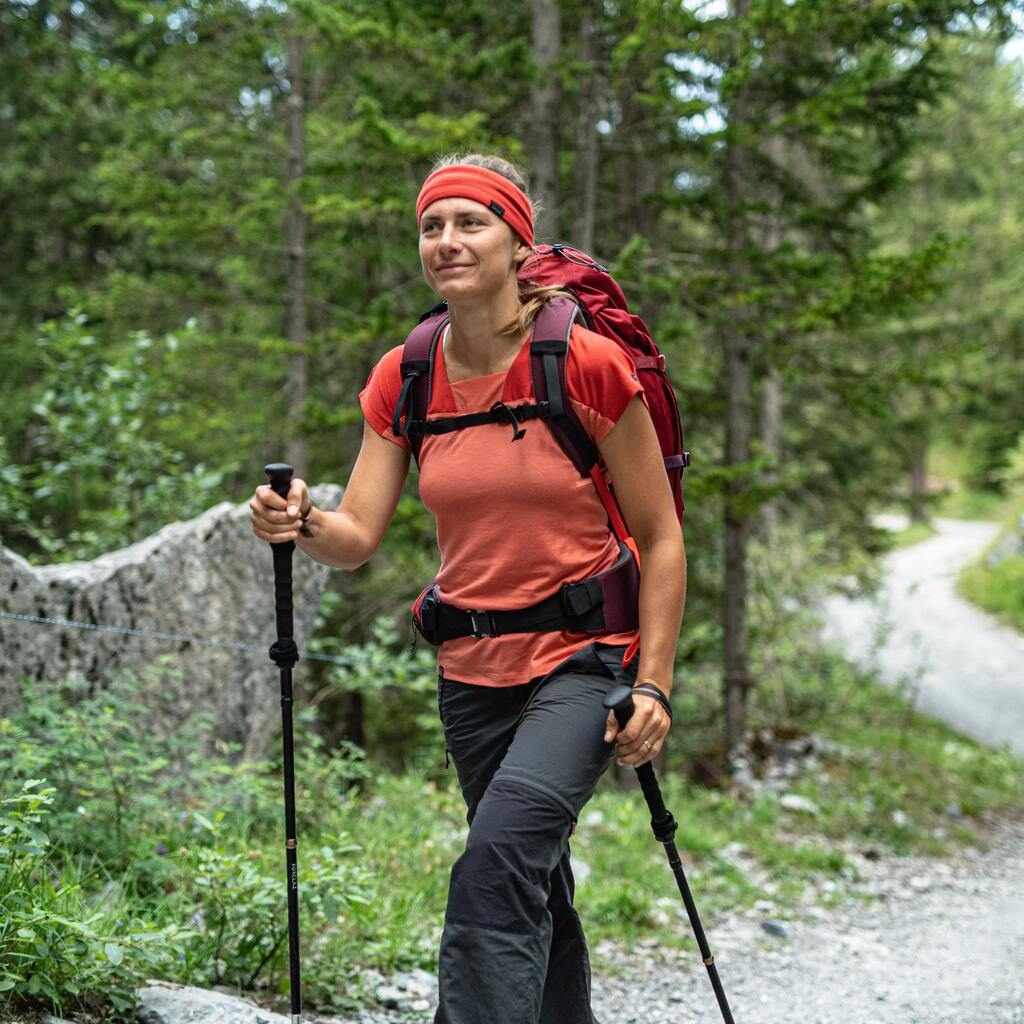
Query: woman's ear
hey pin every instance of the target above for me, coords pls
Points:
(522, 253)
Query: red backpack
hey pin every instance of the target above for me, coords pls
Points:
(600, 306)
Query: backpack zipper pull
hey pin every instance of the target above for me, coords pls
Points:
(446, 760)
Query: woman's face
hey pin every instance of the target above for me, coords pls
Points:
(466, 251)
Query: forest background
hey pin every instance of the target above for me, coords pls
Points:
(817, 207)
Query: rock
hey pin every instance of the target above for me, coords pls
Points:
(163, 1002)
(794, 802)
(580, 869)
(417, 982)
(920, 884)
(209, 577)
(773, 927)
(900, 819)
(1010, 545)
(743, 777)
(953, 811)
(390, 996)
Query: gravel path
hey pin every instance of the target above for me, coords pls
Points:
(970, 668)
(942, 942)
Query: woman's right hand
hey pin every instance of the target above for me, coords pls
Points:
(276, 519)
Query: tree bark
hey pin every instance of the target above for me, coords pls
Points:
(771, 386)
(591, 88)
(919, 478)
(546, 31)
(771, 440)
(736, 338)
(298, 359)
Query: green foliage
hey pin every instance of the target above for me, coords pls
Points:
(238, 890)
(159, 853)
(399, 719)
(60, 944)
(101, 476)
(999, 588)
(121, 806)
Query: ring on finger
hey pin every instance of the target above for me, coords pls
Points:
(648, 744)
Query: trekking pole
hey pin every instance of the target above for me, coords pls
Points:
(664, 827)
(284, 653)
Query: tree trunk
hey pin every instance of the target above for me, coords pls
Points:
(298, 359)
(586, 137)
(771, 386)
(771, 434)
(544, 100)
(918, 478)
(917, 450)
(736, 338)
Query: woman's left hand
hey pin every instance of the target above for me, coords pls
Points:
(642, 738)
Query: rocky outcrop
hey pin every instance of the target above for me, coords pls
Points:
(207, 577)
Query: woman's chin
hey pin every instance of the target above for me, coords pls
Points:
(451, 292)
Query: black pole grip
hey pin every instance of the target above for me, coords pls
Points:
(280, 476)
(621, 700)
(283, 652)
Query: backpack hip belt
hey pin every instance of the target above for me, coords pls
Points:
(606, 602)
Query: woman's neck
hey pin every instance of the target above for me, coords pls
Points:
(474, 343)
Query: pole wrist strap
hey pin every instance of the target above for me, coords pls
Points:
(650, 690)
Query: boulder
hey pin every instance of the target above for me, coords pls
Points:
(208, 577)
(162, 1002)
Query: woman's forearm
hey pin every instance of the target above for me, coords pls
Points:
(336, 541)
(662, 596)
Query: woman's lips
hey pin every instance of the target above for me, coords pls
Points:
(450, 269)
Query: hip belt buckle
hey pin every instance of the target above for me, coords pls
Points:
(482, 624)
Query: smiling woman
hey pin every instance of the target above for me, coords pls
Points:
(525, 535)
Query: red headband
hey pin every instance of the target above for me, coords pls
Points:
(491, 189)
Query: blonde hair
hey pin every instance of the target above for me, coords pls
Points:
(531, 295)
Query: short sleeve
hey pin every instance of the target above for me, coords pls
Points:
(602, 381)
(378, 398)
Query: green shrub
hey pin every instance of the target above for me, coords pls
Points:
(155, 856)
(59, 944)
(237, 903)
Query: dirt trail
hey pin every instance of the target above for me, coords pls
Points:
(942, 943)
(970, 668)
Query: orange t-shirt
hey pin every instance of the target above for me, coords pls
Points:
(515, 520)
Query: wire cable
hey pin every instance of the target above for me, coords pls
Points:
(233, 645)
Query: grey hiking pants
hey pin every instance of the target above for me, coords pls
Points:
(528, 758)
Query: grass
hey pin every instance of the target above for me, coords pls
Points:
(913, 534)
(998, 590)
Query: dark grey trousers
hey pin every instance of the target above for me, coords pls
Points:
(528, 758)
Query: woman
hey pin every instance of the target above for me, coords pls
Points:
(522, 712)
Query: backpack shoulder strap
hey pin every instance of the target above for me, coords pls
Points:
(549, 352)
(417, 380)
